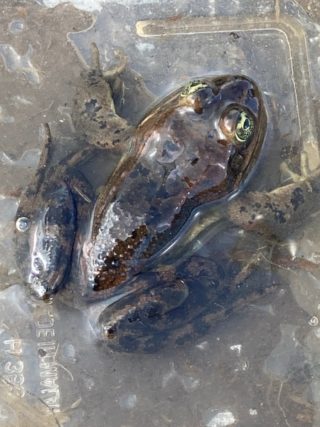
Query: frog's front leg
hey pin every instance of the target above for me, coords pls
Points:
(94, 113)
(276, 215)
(279, 212)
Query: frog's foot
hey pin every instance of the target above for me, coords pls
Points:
(112, 73)
(138, 321)
(94, 112)
(96, 70)
(252, 261)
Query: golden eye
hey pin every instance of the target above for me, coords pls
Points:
(237, 125)
(244, 127)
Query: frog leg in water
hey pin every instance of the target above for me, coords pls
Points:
(142, 314)
(130, 95)
(65, 170)
(47, 220)
(94, 113)
(273, 215)
(277, 214)
(162, 310)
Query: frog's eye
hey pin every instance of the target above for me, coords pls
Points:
(244, 127)
(23, 224)
(238, 125)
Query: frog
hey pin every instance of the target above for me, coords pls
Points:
(197, 146)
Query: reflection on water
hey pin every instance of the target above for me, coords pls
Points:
(256, 366)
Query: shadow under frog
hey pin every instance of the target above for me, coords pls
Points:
(197, 145)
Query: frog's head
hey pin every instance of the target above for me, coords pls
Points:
(208, 133)
(228, 112)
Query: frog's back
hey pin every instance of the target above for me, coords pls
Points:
(196, 146)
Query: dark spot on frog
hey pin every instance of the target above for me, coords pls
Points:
(114, 269)
(194, 161)
(236, 162)
(279, 215)
(92, 107)
(251, 93)
(297, 198)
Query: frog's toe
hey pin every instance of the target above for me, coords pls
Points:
(132, 331)
(129, 341)
(289, 175)
(122, 62)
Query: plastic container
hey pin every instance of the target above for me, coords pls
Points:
(257, 367)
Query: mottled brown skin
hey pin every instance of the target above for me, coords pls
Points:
(114, 272)
(181, 157)
(280, 211)
(168, 303)
(190, 113)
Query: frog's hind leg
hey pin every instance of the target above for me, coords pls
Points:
(138, 321)
(111, 75)
(31, 191)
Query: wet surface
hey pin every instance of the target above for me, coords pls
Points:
(257, 367)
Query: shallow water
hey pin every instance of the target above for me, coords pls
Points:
(259, 366)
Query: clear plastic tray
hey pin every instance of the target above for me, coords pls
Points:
(258, 367)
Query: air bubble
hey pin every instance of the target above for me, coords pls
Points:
(23, 224)
(16, 26)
